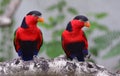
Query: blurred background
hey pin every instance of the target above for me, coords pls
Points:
(103, 35)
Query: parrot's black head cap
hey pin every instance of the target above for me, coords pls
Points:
(37, 13)
(81, 17)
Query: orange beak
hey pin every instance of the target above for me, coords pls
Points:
(87, 24)
(40, 19)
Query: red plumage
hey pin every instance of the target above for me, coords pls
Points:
(28, 37)
(74, 40)
(31, 34)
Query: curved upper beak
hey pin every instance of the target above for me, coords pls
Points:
(40, 19)
(87, 24)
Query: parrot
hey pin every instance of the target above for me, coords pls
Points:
(28, 38)
(73, 38)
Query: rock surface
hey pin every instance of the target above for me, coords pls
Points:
(59, 66)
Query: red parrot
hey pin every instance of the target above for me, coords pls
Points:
(28, 37)
(74, 41)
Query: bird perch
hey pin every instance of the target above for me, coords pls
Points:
(6, 17)
(59, 66)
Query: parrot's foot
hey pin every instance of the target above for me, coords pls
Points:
(18, 60)
(35, 58)
(75, 59)
(88, 56)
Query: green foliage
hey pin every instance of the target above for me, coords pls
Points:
(3, 4)
(59, 6)
(53, 21)
(72, 10)
(105, 40)
(57, 33)
(100, 15)
(2, 59)
(45, 25)
(1, 11)
(5, 36)
(56, 20)
(113, 52)
(97, 16)
(94, 51)
(95, 25)
(6, 43)
(53, 48)
(51, 8)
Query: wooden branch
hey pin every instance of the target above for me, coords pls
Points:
(6, 18)
(59, 66)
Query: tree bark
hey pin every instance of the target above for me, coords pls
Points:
(59, 66)
(6, 17)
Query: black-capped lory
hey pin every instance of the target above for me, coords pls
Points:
(28, 37)
(74, 41)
